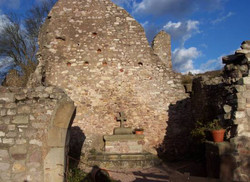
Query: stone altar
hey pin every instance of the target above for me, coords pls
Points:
(123, 140)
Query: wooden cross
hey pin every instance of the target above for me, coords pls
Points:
(121, 118)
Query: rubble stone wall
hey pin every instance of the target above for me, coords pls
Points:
(227, 97)
(32, 143)
(99, 55)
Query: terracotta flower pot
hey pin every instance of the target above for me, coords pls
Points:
(138, 132)
(218, 135)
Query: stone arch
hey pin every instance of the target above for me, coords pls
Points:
(58, 141)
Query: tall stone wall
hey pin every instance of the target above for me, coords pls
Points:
(32, 141)
(99, 55)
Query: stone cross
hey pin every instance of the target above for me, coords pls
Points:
(121, 118)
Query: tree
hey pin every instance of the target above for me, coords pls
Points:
(18, 40)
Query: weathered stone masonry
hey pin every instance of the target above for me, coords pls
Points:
(227, 97)
(99, 55)
(33, 130)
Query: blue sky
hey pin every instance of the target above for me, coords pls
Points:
(202, 30)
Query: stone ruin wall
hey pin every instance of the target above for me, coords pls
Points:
(98, 54)
(227, 97)
(32, 136)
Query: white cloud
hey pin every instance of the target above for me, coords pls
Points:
(212, 64)
(186, 63)
(182, 58)
(222, 18)
(174, 7)
(12, 4)
(182, 30)
(159, 7)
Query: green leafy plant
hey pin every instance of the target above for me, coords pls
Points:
(76, 175)
(198, 133)
(214, 125)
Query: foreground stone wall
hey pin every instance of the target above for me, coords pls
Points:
(238, 74)
(226, 96)
(100, 56)
(32, 142)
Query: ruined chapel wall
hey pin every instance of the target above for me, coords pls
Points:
(99, 55)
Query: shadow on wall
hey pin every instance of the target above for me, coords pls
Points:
(176, 143)
(77, 139)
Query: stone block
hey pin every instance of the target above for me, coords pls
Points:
(5, 119)
(4, 166)
(246, 94)
(36, 142)
(246, 80)
(248, 112)
(7, 97)
(21, 119)
(54, 165)
(18, 149)
(122, 131)
(63, 113)
(23, 110)
(57, 137)
(227, 108)
(241, 106)
(20, 96)
(240, 121)
(10, 105)
(4, 155)
(124, 143)
(11, 112)
(11, 134)
(11, 127)
(242, 100)
(5, 176)
(9, 141)
(240, 88)
(240, 114)
(18, 167)
(21, 141)
(2, 133)
(35, 156)
(3, 112)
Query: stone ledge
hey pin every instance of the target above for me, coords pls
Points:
(218, 148)
(132, 160)
(122, 137)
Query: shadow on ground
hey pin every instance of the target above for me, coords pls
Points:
(150, 177)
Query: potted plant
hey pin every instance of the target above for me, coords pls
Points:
(216, 130)
(139, 131)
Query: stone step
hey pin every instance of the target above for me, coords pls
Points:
(136, 160)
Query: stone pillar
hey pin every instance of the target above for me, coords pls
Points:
(162, 47)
